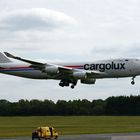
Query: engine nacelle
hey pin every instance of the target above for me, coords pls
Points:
(88, 81)
(51, 69)
(80, 75)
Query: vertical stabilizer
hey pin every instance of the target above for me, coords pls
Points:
(4, 59)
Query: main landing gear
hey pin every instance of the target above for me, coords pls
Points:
(133, 80)
(67, 83)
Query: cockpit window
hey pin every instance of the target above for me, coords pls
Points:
(126, 59)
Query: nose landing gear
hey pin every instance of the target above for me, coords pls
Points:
(133, 80)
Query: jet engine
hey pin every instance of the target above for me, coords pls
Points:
(88, 81)
(80, 75)
(51, 69)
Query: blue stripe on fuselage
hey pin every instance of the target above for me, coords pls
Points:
(19, 69)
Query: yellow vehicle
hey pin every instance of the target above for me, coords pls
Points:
(45, 132)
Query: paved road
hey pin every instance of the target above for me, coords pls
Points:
(128, 136)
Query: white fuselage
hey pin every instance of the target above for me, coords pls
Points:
(115, 68)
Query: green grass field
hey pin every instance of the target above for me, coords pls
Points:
(23, 126)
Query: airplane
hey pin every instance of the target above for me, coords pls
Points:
(70, 73)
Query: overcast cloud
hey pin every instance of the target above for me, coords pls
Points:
(69, 30)
(33, 19)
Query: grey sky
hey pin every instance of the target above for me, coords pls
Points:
(69, 30)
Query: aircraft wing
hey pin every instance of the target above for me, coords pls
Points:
(62, 69)
(24, 60)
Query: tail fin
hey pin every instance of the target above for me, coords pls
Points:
(4, 59)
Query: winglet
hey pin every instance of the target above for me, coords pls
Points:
(7, 54)
(10, 55)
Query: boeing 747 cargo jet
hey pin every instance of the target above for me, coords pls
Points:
(70, 73)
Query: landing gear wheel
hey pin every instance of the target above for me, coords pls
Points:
(66, 83)
(72, 86)
(61, 84)
(133, 82)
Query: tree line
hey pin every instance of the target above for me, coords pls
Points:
(121, 105)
